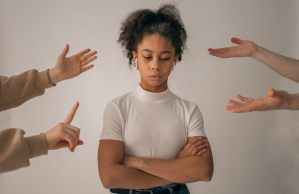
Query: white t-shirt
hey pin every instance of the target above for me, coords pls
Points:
(152, 125)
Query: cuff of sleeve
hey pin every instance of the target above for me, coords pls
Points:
(42, 81)
(37, 145)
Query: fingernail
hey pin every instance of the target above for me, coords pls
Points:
(206, 140)
(207, 144)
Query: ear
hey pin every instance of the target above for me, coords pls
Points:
(134, 55)
(176, 58)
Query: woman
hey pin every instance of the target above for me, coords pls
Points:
(143, 142)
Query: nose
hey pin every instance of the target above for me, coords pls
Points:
(155, 65)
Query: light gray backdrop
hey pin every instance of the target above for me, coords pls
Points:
(253, 152)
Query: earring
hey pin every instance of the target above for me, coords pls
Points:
(134, 64)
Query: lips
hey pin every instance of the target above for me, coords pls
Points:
(155, 77)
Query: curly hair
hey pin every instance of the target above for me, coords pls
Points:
(165, 21)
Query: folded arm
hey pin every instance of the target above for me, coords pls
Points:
(114, 174)
(181, 170)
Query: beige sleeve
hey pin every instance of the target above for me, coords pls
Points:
(18, 89)
(16, 150)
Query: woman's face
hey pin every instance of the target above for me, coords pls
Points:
(155, 58)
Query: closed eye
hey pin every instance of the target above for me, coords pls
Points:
(146, 57)
(164, 59)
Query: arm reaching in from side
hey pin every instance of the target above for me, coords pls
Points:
(180, 170)
(285, 66)
(18, 89)
(276, 100)
(16, 150)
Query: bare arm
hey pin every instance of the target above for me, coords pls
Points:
(180, 170)
(115, 175)
(276, 100)
(284, 66)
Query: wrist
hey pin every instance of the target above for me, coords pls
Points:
(292, 102)
(138, 163)
(54, 76)
(257, 54)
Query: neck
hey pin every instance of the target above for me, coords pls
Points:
(150, 88)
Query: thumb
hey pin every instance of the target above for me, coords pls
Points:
(65, 51)
(271, 92)
(80, 142)
(236, 40)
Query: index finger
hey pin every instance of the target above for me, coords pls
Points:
(82, 53)
(71, 115)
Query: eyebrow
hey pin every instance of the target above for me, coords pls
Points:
(152, 51)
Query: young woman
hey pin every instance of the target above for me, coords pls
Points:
(143, 142)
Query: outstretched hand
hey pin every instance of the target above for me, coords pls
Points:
(277, 99)
(73, 66)
(245, 48)
(64, 134)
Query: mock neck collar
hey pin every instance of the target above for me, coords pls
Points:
(153, 97)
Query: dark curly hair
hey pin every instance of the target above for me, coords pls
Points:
(165, 21)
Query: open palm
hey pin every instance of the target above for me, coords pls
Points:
(275, 100)
(73, 66)
(245, 48)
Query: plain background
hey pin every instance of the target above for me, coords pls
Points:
(253, 153)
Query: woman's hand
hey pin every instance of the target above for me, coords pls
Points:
(194, 148)
(130, 161)
(245, 48)
(277, 99)
(64, 134)
(73, 66)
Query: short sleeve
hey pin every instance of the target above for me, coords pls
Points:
(196, 124)
(112, 125)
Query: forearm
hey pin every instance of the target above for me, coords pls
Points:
(181, 170)
(15, 150)
(18, 89)
(285, 66)
(128, 178)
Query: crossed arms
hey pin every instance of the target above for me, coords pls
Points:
(119, 171)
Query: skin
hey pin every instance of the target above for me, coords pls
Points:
(155, 56)
(285, 66)
(64, 134)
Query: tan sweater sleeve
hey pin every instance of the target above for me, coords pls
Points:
(16, 150)
(18, 89)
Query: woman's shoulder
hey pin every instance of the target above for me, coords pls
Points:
(185, 103)
(121, 100)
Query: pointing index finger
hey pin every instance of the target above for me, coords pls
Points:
(71, 115)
